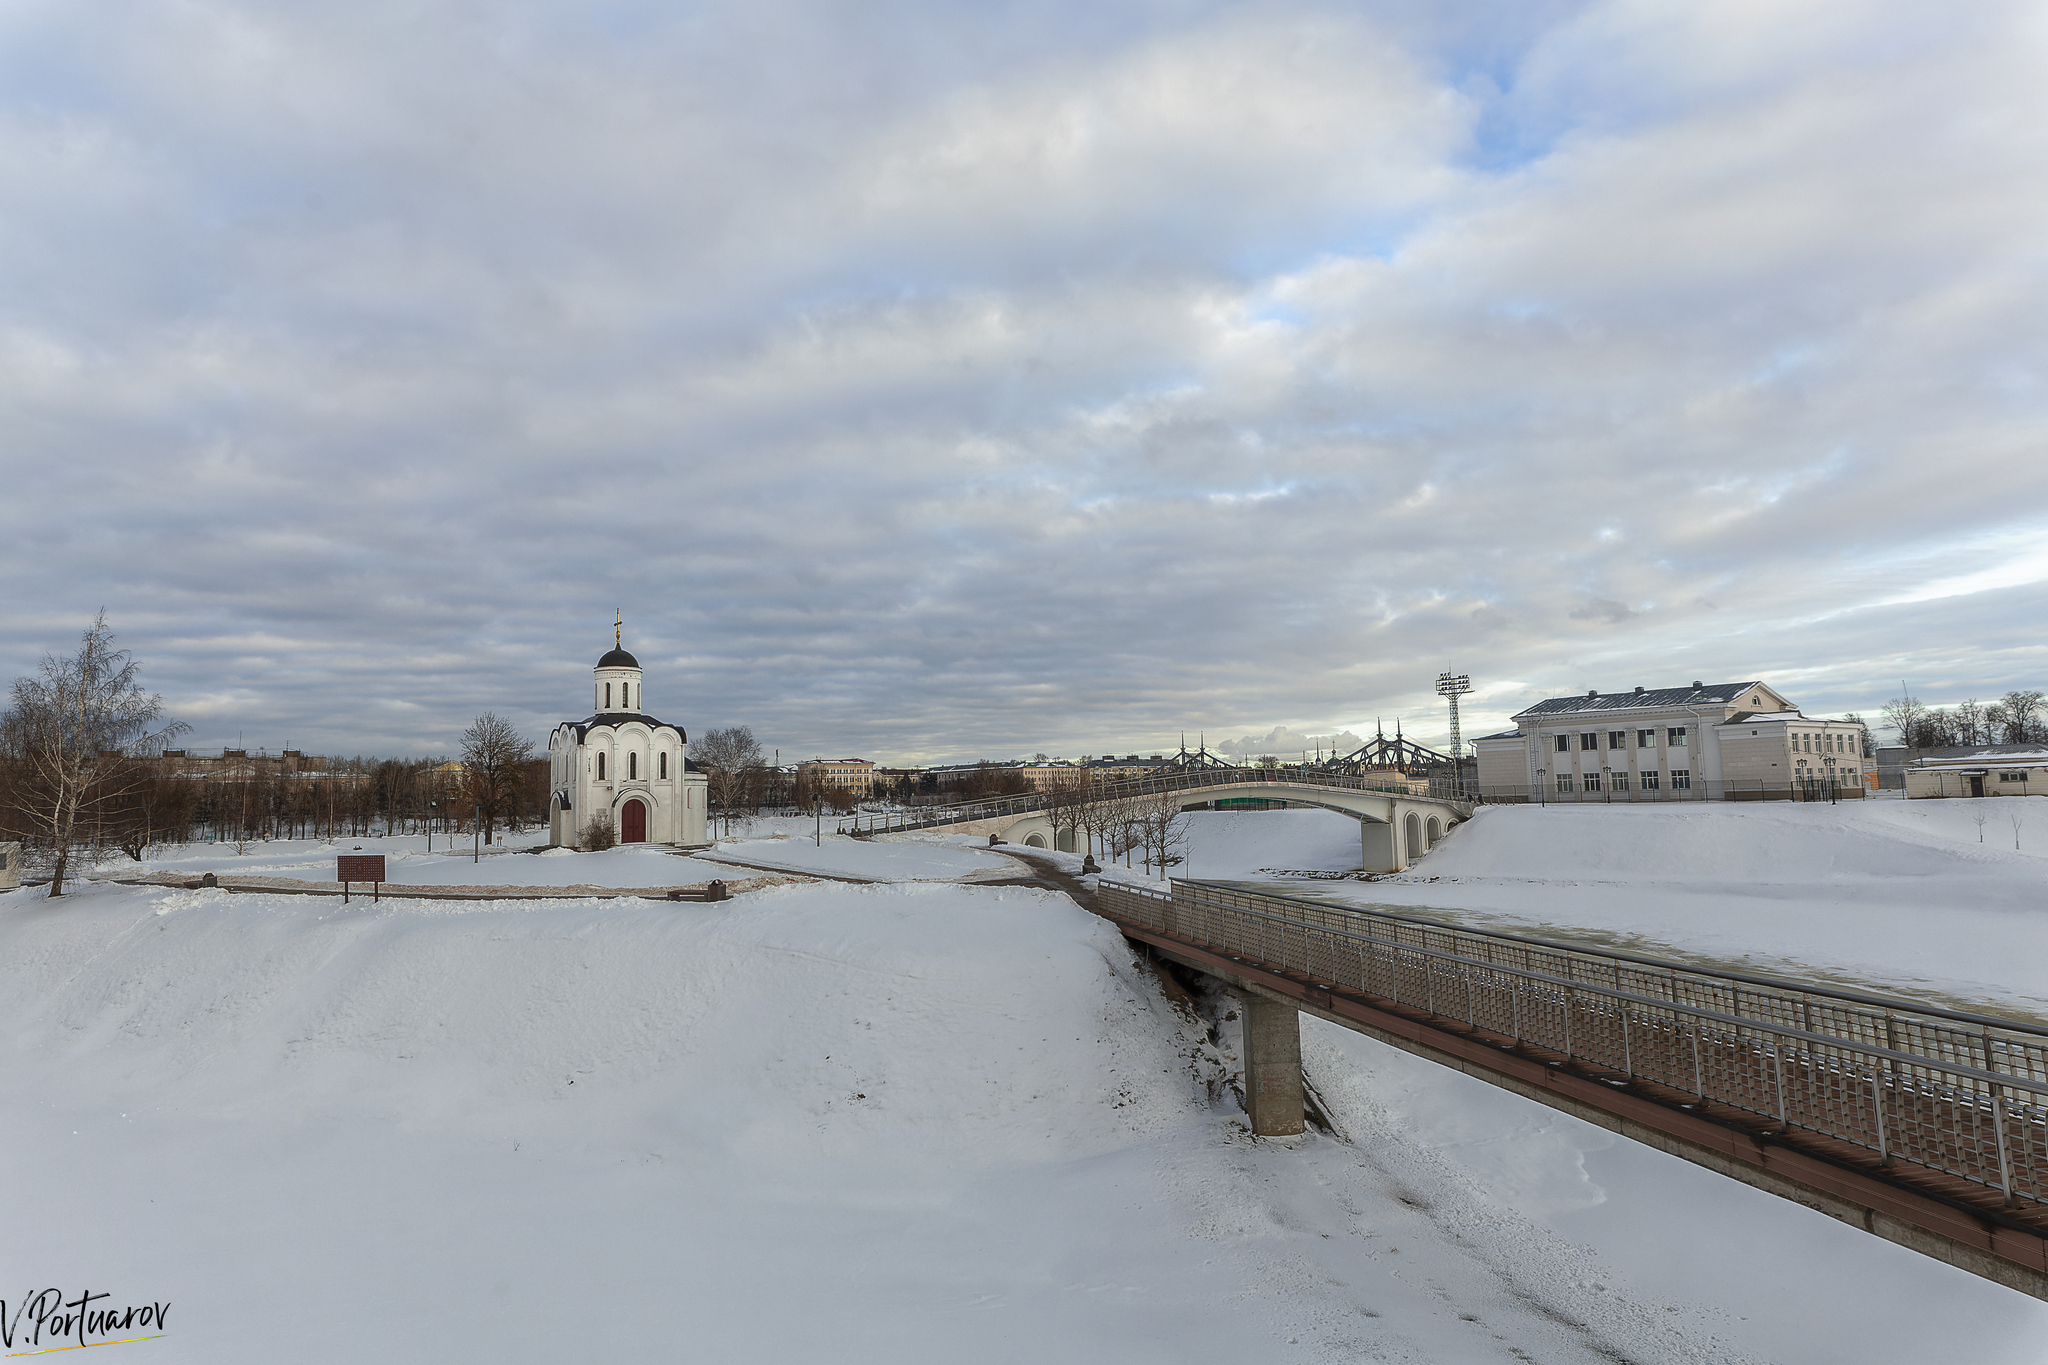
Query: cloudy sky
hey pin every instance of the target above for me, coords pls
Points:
(936, 381)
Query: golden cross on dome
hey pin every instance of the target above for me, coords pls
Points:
(619, 629)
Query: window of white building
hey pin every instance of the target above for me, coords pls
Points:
(1675, 736)
(1650, 780)
(1681, 779)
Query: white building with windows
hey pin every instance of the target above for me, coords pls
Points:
(1734, 741)
(623, 765)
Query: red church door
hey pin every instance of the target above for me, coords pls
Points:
(633, 823)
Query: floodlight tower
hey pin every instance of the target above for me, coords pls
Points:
(1451, 686)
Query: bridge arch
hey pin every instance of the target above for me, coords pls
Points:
(1390, 817)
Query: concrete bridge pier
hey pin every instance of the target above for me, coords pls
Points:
(1380, 847)
(1272, 1065)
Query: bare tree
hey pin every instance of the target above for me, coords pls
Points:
(494, 759)
(733, 772)
(1970, 723)
(72, 736)
(2019, 714)
(599, 834)
(1906, 715)
(1063, 799)
(1097, 813)
(1162, 830)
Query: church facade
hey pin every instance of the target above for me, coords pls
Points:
(624, 765)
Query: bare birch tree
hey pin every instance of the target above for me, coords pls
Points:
(72, 736)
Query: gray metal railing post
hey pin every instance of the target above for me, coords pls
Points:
(1884, 1151)
(1998, 1135)
(1778, 1070)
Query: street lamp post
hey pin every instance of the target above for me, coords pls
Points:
(477, 819)
(430, 826)
(818, 816)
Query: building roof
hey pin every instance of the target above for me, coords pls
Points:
(615, 719)
(1702, 695)
(1990, 756)
(618, 658)
(1505, 734)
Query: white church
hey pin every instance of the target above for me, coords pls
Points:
(624, 764)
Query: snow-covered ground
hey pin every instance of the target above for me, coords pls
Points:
(909, 1122)
(1896, 895)
(886, 858)
(764, 843)
(408, 863)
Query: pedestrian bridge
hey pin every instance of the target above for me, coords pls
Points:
(1396, 826)
(1925, 1126)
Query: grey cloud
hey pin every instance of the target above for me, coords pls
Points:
(1062, 379)
(1603, 609)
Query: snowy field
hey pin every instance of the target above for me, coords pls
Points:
(1896, 895)
(765, 844)
(408, 863)
(907, 1122)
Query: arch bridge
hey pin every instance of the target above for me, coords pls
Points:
(1396, 825)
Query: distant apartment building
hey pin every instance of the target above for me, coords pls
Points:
(1725, 741)
(1114, 769)
(237, 765)
(856, 775)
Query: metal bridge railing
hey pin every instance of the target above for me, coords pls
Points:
(1953, 1092)
(928, 817)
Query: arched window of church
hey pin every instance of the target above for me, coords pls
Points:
(600, 767)
(607, 696)
(632, 766)
(661, 765)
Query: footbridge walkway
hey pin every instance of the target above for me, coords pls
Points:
(1396, 826)
(1925, 1126)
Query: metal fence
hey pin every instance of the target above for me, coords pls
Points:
(927, 817)
(1950, 1092)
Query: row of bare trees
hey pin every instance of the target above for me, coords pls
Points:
(1149, 825)
(2015, 718)
(83, 775)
